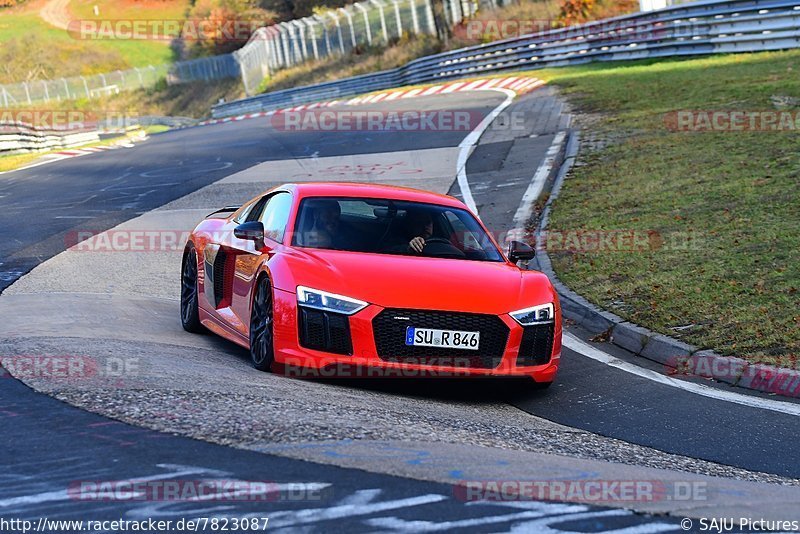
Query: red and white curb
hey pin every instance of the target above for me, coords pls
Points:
(518, 84)
(90, 150)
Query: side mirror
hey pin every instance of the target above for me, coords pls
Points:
(253, 231)
(519, 251)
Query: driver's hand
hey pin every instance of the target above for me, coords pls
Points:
(417, 244)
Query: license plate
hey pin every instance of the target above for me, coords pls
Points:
(449, 339)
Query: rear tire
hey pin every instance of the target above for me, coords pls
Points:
(262, 346)
(190, 315)
(541, 385)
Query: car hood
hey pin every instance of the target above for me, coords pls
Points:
(423, 283)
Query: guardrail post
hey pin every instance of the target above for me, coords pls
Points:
(338, 31)
(139, 74)
(303, 45)
(266, 63)
(397, 17)
(383, 19)
(455, 17)
(291, 44)
(46, 92)
(350, 22)
(312, 33)
(27, 92)
(274, 42)
(366, 21)
(5, 97)
(429, 16)
(414, 19)
(325, 34)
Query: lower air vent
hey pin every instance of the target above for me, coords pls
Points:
(325, 331)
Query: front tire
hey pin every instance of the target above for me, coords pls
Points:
(262, 347)
(190, 315)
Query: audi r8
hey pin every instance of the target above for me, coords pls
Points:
(327, 276)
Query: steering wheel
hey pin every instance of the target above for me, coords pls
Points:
(443, 248)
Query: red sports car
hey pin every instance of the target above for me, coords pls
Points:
(332, 277)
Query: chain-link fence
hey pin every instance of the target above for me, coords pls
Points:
(269, 49)
(330, 33)
(98, 85)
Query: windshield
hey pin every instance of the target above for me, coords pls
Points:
(392, 227)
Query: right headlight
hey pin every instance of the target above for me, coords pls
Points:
(541, 314)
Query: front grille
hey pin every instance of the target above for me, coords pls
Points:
(537, 345)
(325, 331)
(390, 325)
(219, 276)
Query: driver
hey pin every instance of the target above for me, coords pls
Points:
(325, 230)
(417, 228)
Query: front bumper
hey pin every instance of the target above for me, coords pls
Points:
(363, 359)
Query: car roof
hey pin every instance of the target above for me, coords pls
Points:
(362, 190)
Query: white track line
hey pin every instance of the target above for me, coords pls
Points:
(578, 345)
(465, 147)
(537, 184)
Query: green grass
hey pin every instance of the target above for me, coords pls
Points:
(28, 46)
(130, 10)
(736, 194)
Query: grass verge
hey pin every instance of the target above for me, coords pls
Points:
(31, 49)
(723, 270)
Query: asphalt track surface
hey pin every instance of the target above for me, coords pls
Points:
(42, 205)
(49, 446)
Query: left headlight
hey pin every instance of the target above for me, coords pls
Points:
(322, 300)
(544, 313)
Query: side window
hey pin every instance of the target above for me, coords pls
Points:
(276, 215)
(255, 210)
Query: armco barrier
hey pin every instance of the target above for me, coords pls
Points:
(699, 28)
(25, 138)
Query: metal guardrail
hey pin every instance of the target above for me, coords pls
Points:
(20, 138)
(699, 28)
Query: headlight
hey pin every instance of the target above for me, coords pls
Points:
(544, 313)
(322, 300)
